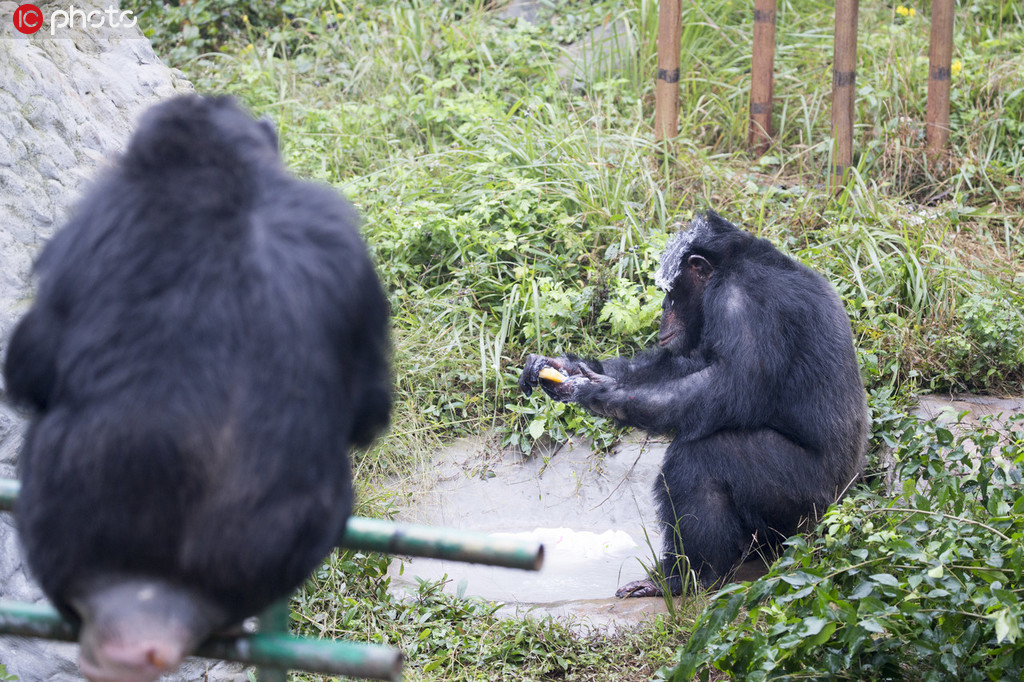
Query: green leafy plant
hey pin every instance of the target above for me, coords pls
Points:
(986, 348)
(551, 421)
(925, 584)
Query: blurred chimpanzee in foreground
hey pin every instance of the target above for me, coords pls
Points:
(208, 341)
(756, 377)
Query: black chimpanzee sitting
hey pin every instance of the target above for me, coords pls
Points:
(208, 340)
(756, 376)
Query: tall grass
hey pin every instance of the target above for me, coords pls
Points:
(513, 213)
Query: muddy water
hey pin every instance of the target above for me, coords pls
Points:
(594, 515)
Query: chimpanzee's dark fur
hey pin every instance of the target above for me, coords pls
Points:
(756, 377)
(208, 340)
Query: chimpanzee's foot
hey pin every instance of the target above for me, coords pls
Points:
(640, 588)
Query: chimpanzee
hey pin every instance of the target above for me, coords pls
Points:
(208, 340)
(755, 375)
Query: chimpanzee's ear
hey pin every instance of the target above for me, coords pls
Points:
(270, 130)
(700, 267)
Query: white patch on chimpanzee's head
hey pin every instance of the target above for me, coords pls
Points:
(735, 302)
(672, 257)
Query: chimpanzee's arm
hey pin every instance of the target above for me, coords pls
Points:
(643, 365)
(663, 405)
(30, 368)
(726, 384)
(626, 369)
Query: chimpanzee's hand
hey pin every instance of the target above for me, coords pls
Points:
(594, 376)
(530, 378)
(565, 391)
(594, 392)
(531, 372)
(582, 383)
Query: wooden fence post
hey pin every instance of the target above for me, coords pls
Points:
(762, 71)
(844, 80)
(666, 86)
(940, 56)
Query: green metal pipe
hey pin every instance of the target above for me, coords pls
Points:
(377, 535)
(331, 657)
(274, 621)
(276, 652)
(35, 620)
(8, 493)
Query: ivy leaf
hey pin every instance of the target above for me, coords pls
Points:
(862, 590)
(1007, 626)
(813, 626)
(886, 579)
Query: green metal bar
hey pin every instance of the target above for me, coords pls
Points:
(274, 650)
(8, 493)
(377, 535)
(35, 620)
(274, 621)
(332, 657)
(311, 655)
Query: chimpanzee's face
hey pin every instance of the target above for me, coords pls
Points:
(673, 326)
(682, 311)
(679, 321)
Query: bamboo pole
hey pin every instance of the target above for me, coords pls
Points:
(844, 81)
(762, 71)
(666, 85)
(940, 57)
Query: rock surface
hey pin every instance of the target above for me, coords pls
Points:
(67, 105)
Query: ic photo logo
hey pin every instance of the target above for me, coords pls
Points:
(29, 18)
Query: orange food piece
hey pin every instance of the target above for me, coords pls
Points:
(551, 374)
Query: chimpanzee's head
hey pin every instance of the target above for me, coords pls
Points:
(687, 266)
(168, 134)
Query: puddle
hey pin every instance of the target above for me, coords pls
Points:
(577, 565)
(595, 516)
